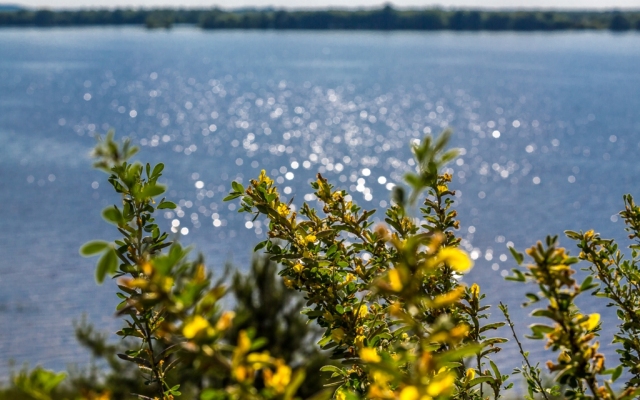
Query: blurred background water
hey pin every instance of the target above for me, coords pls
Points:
(548, 124)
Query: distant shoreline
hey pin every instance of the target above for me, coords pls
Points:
(383, 19)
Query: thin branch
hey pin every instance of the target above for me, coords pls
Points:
(535, 377)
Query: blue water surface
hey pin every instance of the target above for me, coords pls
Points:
(548, 124)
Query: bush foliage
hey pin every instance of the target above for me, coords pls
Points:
(384, 302)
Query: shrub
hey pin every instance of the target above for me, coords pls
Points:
(387, 298)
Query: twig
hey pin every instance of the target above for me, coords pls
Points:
(535, 377)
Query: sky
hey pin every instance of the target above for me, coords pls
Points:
(306, 4)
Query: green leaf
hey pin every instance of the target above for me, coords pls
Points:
(587, 284)
(112, 214)
(518, 276)
(107, 264)
(572, 235)
(461, 352)
(213, 394)
(232, 196)
(615, 373)
(157, 170)
(237, 187)
(534, 298)
(332, 368)
(494, 325)
(93, 248)
(270, 197)
(517, 256)
(166, 204)
(294, 384)
(152, 190)
(495, 369)
(260, 245)
(541, 328)
(479, 380)
(541, 312)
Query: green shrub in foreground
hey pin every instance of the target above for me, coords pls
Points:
(386, 297)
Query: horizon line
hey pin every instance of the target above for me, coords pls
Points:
(328, 8)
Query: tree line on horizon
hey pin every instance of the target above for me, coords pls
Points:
(385, 18)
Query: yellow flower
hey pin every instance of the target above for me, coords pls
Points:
(395, 280)
(310, 238)
(244, 343)
(470, 374)
(475, 290)
(442, 188)
(240, 372)
(459, 331)
(259, 358)
(370, 355)
(147, 268)
(395, 309)
(448, 298)
(380, 378)
(166, 283)
(349, 278)
(360, 341)
(327, 315)
(104, 396)
(592, 322)
(341, 395)
(298, 267)
(264, 178)
(283, 209)
(288, 282)
(361, 312)
(455, 258)
(201, 273)
(225, 320)
(195, 326)
(564, 357)
(280, 379)
(409, 393)
(378, 392)
(337, 335)
(441, 384)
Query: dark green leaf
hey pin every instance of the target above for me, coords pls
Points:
(587, 284)
(495, 325)
(107, 264)
(237, 187)
(232, 196)
(166, 204)
(260, 245)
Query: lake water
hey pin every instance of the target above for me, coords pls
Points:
(549, 124)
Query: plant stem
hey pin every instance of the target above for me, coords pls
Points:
(505, 312)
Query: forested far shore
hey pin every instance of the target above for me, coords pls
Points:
(386, 18)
